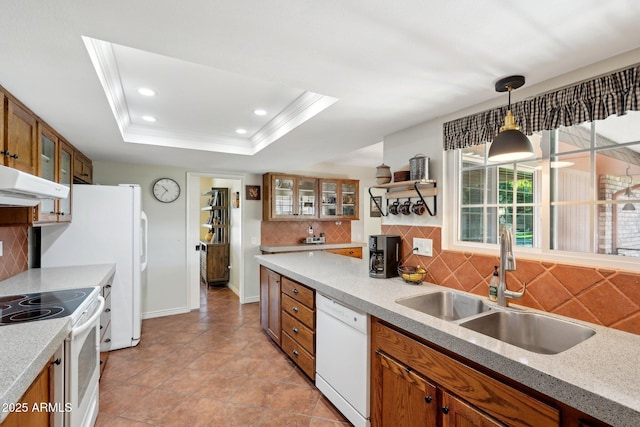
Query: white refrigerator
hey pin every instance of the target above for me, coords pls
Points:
(107, 226)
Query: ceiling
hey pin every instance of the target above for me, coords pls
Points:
(334, 76)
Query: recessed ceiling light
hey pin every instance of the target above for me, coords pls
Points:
(259, 112)
(148, 118)
(146, 92)
(241, 131)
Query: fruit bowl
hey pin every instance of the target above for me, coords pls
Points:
(412, 274)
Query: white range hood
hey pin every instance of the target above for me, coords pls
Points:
(18, 188)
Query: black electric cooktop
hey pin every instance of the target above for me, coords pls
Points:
(40, 305)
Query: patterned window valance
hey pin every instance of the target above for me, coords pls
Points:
(595, 99)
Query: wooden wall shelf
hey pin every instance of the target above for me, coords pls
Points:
(409, 190)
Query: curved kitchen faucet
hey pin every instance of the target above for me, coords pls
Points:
(507, 263)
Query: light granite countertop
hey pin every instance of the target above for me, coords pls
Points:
(302, 247)
(25, 348)
(600, 376)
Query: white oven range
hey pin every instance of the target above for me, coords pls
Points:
(82, 364)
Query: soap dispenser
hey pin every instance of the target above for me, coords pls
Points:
(493, 285)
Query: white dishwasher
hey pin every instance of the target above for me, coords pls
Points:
(342, 358)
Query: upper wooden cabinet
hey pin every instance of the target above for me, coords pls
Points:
(82, 169)
(293, 197)
(56, 163)
(21, 141)
(290, 197)
(28, 144)
(339, 199)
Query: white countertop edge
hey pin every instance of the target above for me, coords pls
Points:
(559, 376)
(309, 247)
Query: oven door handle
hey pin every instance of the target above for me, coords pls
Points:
(89, 323)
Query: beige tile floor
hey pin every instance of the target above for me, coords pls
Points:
(212, 367)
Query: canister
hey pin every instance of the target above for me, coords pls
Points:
(383, 174)
(419, 167)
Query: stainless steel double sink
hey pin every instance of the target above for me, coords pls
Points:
(531, 331)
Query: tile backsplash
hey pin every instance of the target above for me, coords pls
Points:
(15, 251)
(609, 297)
(292, 232)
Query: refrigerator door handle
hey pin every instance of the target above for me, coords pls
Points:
(145, 240)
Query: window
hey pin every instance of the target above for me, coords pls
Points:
(581, 192)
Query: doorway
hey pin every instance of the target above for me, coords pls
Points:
(197, 184)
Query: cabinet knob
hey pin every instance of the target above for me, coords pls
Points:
(295, 352)
(107, 310)
(445, 410)
(294, 308)
(428, 399)
(295, 330)
(295, 290)
(107, 340)
(57, 361)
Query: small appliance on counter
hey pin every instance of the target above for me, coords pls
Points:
(384, 255)
(315, 240)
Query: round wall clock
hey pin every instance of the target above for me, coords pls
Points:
(166, 190)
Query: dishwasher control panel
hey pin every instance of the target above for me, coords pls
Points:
(342, 312)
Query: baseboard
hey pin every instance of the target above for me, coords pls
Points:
(251, 299)
(162, 313)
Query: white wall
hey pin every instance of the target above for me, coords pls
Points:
(168, 287)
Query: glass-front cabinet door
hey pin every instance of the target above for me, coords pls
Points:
(294, 197)
(65, 177)
(48, 170)
(329, 198)
(339, 199)
(349, 194)
(284, 197)
(307, 197)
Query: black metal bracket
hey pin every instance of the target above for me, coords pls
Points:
(419, 195)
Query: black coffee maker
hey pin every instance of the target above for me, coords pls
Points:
(384, 255)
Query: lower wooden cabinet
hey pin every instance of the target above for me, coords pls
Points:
(37, 395)
(299, 325)
(287, 314)
(214, 263)
(270, 303)
(409, 377)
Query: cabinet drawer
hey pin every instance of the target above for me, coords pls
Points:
(495, 398)
(299, 355)
(299, 332)
(298, 311)
(298, 292)
(352, 252)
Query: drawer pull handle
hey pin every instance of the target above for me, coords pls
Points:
(294, 308)
(295, 329)
(295, 352)
(295, 290)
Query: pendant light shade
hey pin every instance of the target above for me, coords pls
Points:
(510, 144)
(628, 194)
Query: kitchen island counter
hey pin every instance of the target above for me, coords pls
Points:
(25, 348)
(598, 377)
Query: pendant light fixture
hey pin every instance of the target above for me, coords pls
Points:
(510, 144)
